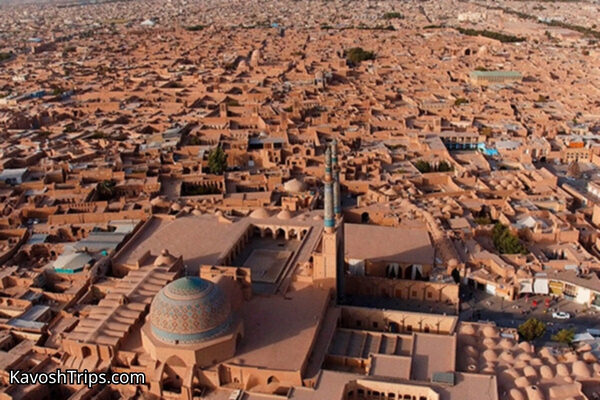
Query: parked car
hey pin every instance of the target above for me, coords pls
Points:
(561, 315)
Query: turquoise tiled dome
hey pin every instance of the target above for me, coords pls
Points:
(190, 310)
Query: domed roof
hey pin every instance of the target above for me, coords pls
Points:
(562, 370)
(165, 258)
(260, 213)
(190, 310)
(490, 343)
(285, 214)
(581, 370)
(522, 382)
(516, 394)
(530, 371)
(546, 372)
(490, 332)
(490, 355)
(294, 186)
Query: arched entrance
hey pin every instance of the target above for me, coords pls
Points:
(455, 275)
(364, 218)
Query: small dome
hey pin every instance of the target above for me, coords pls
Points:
(596, 368)
(489, 342)
(506, 343)
(550, 360)
(544, 352)
(536, 362)
(546, 372)
(190, 310)
(562, 370)
(516, 394)
(471, 351)
(490, 332)
(529, 371)
(196, 212)
(467, 329)
(589, 357)
(524, 357)
(294, 186)
(164, 259)
(176, 207)
(513, 373)
(520, 364)
(260, 213)
(490, 355)
(285, 214)
(507, 355)
(571, 357)
(581, 370)
(522, 382)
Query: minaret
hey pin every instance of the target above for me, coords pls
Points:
(328, 181)
(337, 199)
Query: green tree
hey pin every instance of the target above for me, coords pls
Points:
(423, 166)
(356, 55)
(444, 166)
(106, 190)
(532, 329)
(505, 242)
(564, 336)
(393, 15)
(217, 161)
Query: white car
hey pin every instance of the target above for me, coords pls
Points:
(561, 315)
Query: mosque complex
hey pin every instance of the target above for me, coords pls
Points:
(259, 303)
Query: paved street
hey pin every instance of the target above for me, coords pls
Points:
(483, 306)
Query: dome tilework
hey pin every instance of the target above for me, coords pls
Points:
(190, 310)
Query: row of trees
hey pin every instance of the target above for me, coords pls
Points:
(426, 167)
(504, 38)
(581, 29)
(533, 329)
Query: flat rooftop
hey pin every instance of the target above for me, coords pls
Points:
(201, 240)
(382, 243)
(432, 353)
